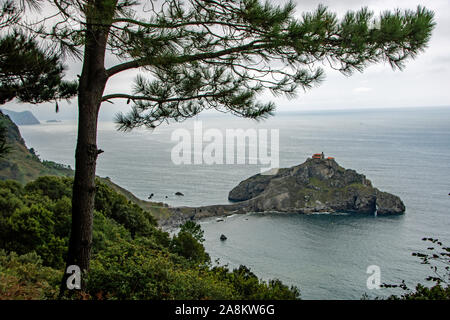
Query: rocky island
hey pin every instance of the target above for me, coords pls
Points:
(317, 185)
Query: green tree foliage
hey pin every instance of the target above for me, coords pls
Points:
(223, 54)
(118, 208)
(28, 72)
(4, 148)
(37, 218)
(132, 257)
(247, 284)
(194, 229)
(189, 247)
(437, 257)
(132, 270)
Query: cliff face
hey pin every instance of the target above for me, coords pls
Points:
(317, 185)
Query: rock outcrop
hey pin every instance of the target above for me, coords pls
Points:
(317, 185)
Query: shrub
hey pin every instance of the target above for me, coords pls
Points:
(23, 277)
(185, 245)
(194, 229)
(248, 286)
(131, 270)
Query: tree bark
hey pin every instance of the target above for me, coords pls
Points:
(91, 87)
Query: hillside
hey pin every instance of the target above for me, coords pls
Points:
(22, 164)
(21, 118)
(159, 210)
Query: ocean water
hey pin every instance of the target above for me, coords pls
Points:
(402, 151)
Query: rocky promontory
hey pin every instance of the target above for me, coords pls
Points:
(317, 185)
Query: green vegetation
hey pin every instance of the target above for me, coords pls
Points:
(194, 229)
(132, 257)
(4, 148)
(23, 277)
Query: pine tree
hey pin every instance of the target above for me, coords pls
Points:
(207, 54)
(31, 74)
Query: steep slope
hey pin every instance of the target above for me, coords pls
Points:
(317, 185)
(22, 164)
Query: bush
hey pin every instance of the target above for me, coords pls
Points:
(194, 229)
(131, 270)
(248, 286)
(52, 187)
(23, 277)
(128, 214)
(33, 229)
(185, 245)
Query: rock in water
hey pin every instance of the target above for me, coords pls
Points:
(317, 185)
(179, 193)
(223, 237)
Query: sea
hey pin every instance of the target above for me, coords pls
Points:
(404, 151)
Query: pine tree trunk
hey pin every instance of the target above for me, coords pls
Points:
(91, 86)
(84, 181)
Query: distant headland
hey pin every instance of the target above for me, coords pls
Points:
(21, 118)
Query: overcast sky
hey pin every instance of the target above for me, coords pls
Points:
(424, 82)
